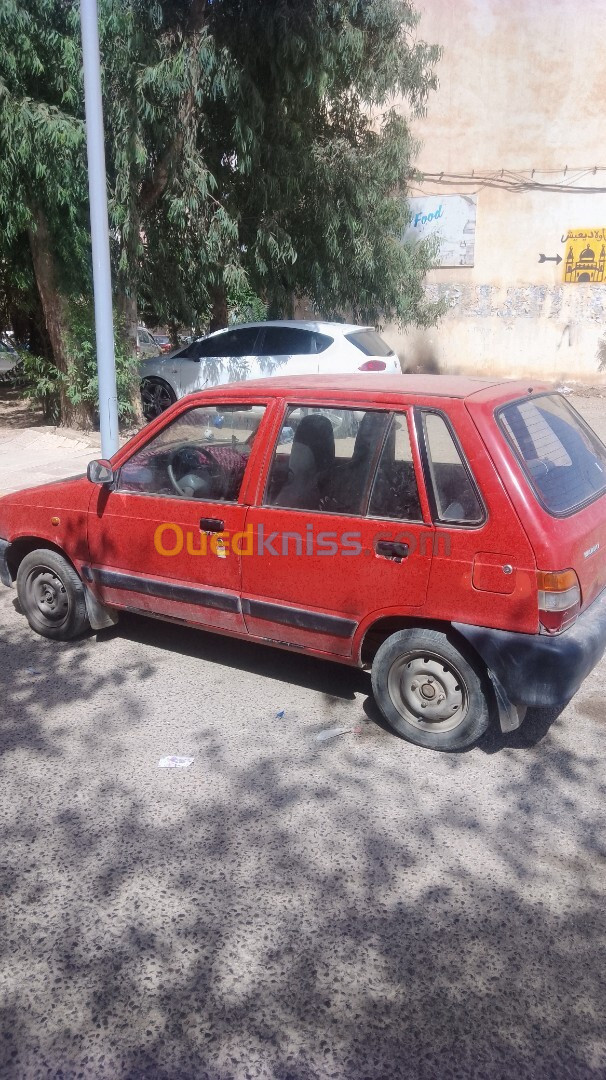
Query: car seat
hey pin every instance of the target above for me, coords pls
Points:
(312, 454)
(347, 484)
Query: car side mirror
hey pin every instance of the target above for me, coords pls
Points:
(100, 471)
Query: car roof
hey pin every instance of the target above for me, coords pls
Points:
(442, 386)
(296, 324)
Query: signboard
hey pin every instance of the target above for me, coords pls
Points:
(584, 255)
(452, 218)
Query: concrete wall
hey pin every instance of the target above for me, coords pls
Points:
(522, 91)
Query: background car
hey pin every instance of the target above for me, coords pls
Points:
(257, 350)
(164, 342)
(146, 343)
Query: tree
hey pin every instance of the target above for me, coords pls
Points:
(312, 157)
(252, 149)
(267, 147)
(43, 234)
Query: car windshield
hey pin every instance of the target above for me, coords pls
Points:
(560, 454)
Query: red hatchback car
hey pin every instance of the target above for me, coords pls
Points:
(449, 533)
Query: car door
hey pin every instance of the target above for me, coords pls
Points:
(341, 531)
(228, 356)
(288, 350)
(163, 539)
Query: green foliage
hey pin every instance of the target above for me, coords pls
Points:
(254, 154)
(42, 134)
(43, 380)
(244, 305)
(322, 158)
(256, 146)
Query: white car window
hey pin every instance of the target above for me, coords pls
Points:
(286, 341)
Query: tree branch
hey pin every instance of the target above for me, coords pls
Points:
(153, 189)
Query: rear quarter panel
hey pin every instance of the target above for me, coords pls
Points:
(467, 580)
(576, 541)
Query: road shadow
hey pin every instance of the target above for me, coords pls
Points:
(325, 676)
(17, 411)
(370, 910)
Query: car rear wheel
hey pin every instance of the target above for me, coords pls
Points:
(429, 692)
(52, 596)
(156, 397)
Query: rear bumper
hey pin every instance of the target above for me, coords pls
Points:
(539, 670)
(5, 574)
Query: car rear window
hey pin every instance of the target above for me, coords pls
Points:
(560, 454)
(370, 343)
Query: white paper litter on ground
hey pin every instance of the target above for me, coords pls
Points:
(174, 762)
(331, 733)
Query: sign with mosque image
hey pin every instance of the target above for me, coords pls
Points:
(450, 218)
(584, 255)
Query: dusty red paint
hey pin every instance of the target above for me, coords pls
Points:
(113, 530)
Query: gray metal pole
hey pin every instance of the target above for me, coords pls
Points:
(102, 282)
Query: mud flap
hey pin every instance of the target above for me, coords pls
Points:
(510, 716)
(99, 616)
(5, 574)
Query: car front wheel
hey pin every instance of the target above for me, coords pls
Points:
(429, 692)
(156, 397)
(52, 596)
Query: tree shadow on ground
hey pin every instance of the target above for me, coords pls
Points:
(325, 676)
(368, 910)
(17, 411)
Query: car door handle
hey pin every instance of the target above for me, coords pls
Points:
(212, 525)
(392, 549)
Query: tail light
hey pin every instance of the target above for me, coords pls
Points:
(373, 365)
(559, 599)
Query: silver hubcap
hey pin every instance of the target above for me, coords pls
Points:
(47, 593)
(427, 691)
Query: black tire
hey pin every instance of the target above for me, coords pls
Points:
(156, 397)
(429, 692)
(52, 595)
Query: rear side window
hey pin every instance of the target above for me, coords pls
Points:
(561, 456)
(320, 342)
(370, 343)
(325, 459)
(452, 490)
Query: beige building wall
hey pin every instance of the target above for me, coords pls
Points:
(519, 120)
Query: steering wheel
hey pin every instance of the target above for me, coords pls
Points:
(213, 477)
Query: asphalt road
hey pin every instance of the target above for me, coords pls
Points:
(284, 908)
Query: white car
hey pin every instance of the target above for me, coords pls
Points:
(9, 361)
(256, 350)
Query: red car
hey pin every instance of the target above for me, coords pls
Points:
(449, 533)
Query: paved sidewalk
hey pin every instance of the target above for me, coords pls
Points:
(41, 454)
